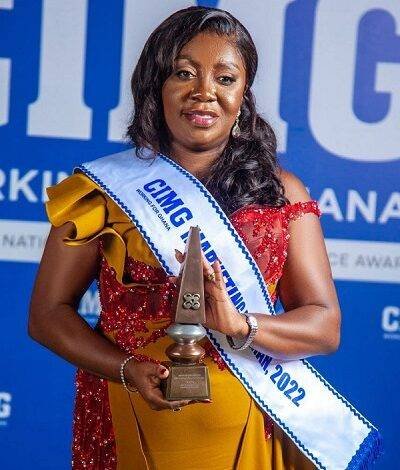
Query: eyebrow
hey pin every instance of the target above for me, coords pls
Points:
(187, 57)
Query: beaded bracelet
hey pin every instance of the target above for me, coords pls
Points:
(121, 373)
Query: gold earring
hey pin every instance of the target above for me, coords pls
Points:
(236, 128)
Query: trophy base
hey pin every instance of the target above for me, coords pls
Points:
(186, 382)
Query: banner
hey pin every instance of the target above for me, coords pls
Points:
(328, 82)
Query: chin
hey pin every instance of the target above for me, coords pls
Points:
(202, 144)
(206, 140)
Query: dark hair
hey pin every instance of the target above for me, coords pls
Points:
(247, 171)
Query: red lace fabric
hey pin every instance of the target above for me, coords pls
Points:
(93, 444)
(265, 232)
(125, 311)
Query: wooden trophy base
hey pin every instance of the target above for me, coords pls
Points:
(186, 382)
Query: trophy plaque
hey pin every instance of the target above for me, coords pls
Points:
(188, 377)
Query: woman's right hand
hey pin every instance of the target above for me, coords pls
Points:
(146, 377)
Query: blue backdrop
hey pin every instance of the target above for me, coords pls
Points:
(329, 83)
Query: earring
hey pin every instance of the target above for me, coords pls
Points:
(236, 128)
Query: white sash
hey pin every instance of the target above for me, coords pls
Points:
(163, 200)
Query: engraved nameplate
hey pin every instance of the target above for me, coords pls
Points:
(187, 382)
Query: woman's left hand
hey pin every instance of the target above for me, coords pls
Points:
(221, 314)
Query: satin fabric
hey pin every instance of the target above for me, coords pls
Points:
(226, 434)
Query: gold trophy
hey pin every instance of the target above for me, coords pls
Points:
(188, 377)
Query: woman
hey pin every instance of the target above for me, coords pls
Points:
(193, 102)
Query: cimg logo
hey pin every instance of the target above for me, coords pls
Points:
(5, 407)
(390, 322)
(336, 58)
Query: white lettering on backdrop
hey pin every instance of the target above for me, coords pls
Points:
(20, 185)
(140, 18)
(331, 115)
(391, 319)
(59, 110)
(5, 405)
(266, 23)
(64, 28)
(5, 75)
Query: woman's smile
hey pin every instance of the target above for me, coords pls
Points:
(200, 118)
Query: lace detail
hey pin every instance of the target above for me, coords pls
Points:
(265, 232)
(296, 210)
(93, 444)
(125, 310)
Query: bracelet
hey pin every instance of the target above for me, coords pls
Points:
(253, 324)
(121, 373)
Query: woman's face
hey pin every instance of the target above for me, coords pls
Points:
(203, 95)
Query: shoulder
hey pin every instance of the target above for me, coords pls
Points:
(298, 196)
(295, 189)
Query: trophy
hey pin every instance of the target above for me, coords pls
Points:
(188, 377)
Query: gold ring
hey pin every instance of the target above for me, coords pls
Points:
(211, 276)
(176, 409)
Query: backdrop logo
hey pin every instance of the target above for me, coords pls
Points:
(65, 26)
(89, 307)
(5, 407)
(390, 322)
(343, 68)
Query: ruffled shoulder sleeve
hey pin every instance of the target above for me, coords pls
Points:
(78, 200)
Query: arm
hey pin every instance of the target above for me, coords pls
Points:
(310, 324)
(64, 275)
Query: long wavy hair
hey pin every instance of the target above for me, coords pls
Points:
(247, 171)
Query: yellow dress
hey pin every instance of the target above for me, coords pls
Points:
(114, 429)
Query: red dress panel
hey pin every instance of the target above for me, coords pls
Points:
(125, 310)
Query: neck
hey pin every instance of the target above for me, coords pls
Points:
(196, 162)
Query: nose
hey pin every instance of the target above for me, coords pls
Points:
(204, 90)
